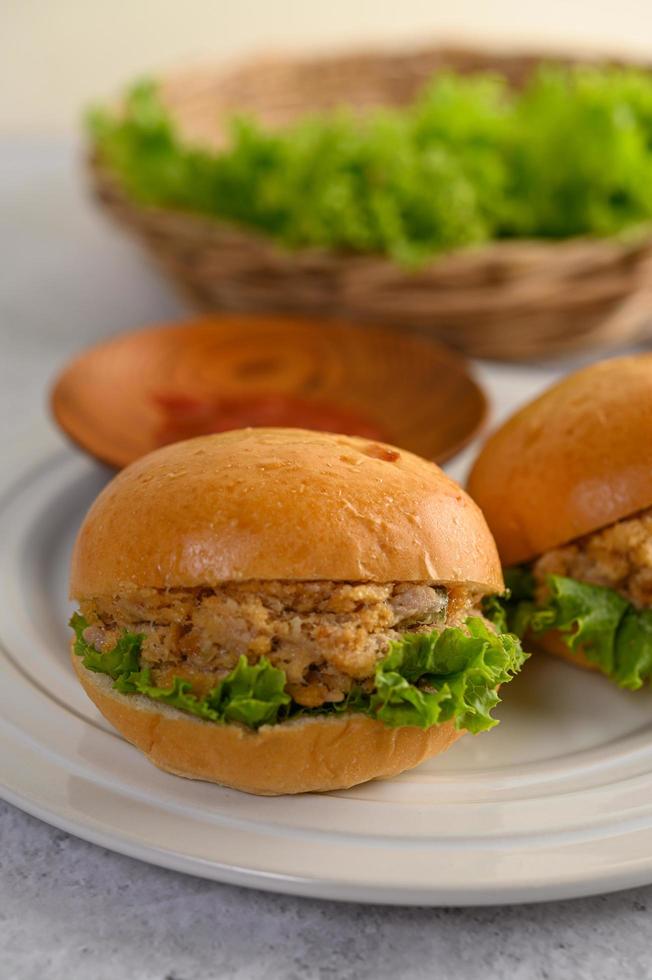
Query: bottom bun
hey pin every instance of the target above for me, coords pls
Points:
(552, 642)
(302, 756)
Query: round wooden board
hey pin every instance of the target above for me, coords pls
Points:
(140, 390)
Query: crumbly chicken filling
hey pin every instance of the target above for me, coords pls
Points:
(326, 636)
(618, 556)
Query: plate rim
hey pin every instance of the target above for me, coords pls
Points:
(30, 456)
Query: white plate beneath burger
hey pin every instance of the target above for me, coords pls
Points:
(554, 802)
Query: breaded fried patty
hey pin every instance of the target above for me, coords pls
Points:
(618, 557)
(326, 636)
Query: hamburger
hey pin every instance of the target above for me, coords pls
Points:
(566, 487)
(279, 611)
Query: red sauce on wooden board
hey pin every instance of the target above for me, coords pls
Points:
(185, 416)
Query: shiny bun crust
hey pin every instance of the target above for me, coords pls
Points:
(281, 504)
(571, 462)
(307, 755)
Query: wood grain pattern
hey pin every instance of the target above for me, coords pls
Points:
(141, 390)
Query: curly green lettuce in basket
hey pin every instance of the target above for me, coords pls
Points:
(468, 161)
(426, 679)
(610, 632)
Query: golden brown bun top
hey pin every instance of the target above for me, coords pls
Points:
(572, 461)
(281, 504)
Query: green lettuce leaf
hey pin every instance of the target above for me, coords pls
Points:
(512, 611)
(425, 679)
(495, 609)
(612, 634)
(252, 695)
(469, 160)
(178, 695)
(123, 659)
(633, 658)
(587, 616)
(458, 674)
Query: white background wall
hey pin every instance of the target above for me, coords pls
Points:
(56, 55)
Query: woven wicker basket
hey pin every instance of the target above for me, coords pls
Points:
(513, 300)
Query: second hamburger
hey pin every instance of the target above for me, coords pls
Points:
(566, 487)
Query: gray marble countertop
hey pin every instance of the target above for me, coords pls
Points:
(73, 911)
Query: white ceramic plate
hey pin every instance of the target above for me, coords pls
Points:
(555, 802)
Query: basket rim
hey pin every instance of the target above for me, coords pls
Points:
(233, 67)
